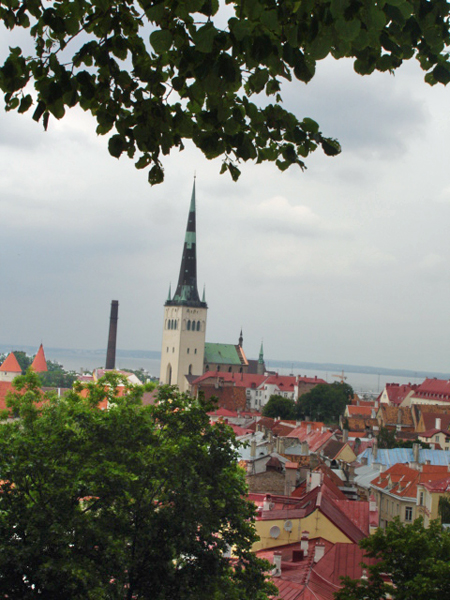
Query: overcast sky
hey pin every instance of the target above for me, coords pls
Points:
(348, 262)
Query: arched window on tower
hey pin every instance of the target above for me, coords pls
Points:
(198, 325)
(190, 369)
(169, 374)
(176, 324)
(189, 325)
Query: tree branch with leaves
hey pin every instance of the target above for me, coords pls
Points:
(158, 73)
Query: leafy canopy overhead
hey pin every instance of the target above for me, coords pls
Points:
(155, 73)
(416, 559)
(135, 502)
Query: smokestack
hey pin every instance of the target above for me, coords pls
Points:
(111, 352)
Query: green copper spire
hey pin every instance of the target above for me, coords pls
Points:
(186, 293)
(261, 355)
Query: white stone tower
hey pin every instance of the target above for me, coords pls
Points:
(184, 328)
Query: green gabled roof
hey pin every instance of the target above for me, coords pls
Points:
(221, 354)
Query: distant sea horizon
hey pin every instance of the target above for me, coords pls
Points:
(363, 378)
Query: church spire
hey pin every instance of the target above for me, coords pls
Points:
(187, 292)
(261, 354)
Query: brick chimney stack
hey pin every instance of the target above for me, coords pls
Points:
(111, 351)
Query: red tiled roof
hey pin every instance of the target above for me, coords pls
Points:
(284, 382)
(429, 420)
(430, 432)
(39, 363)
(10, 364)
(316, 438)
(397, 393)
(341, 560)
(332, 510)
(223, 412)
(363, 411)
(246, 380)
(302, 429)
(356, 401)
(357, 512)
(434, 389)
(440, 485)
(401, 480)
(396, 415)
(238, 431)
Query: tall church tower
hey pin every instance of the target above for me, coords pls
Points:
(183, 342)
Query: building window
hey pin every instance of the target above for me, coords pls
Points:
(167, 348)
(188, 350)
(188, 325)
(173, 349)
(408, 514)
(195, 351)
(421, 498)
(190, 369)
(198, 325)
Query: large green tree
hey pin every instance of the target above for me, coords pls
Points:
(158, 72)
(325, 402)
(416, 559)
(278, 406)
(135, 502)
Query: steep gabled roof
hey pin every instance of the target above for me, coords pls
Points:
(10, 364)
(39, 364)
(397, 393)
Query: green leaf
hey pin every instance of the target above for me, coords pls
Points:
(161, 40)
(441, 74)
(348, 30)
(39, 111)
(116, 145)
(309, 125)
(240, 28)
(234, 172)
(204, 38)
(330, 147)
(25, 103)
(321, 46)
(156, 175)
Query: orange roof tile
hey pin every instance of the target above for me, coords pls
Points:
(364, 411)
(39, 364)
(10, 364)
